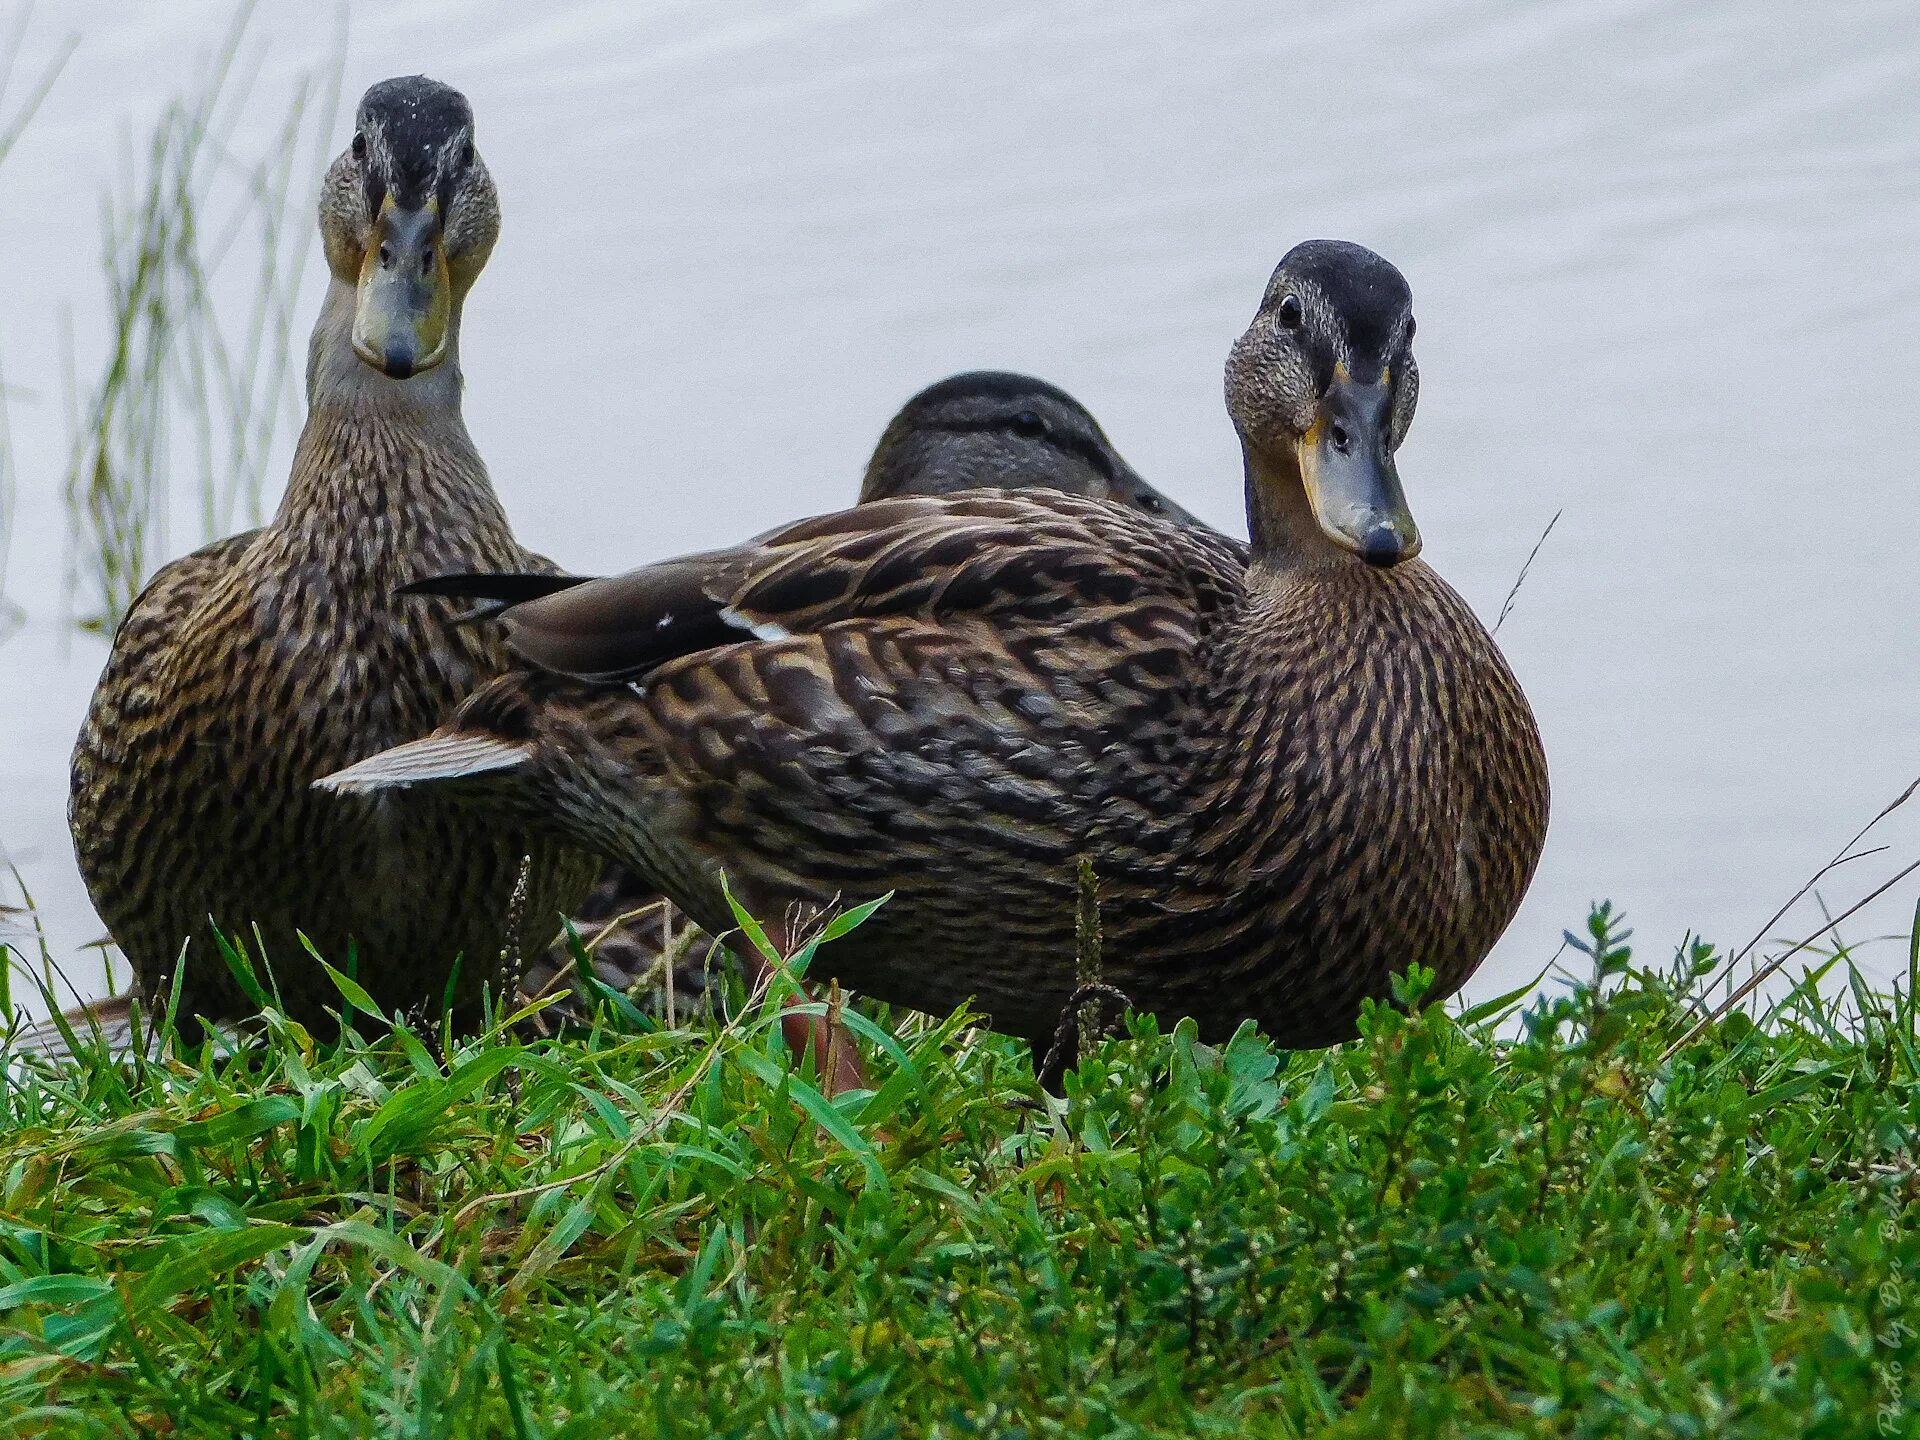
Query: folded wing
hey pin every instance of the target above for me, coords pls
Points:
(1017, 560)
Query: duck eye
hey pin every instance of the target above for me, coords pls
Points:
(1150, 503)
(1029, 424)
(1291, 312)
(466, 153)
(359, 145)
(1410, 329)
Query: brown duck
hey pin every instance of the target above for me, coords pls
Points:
(1293, 777)
(981, 429)
(250, 667)
(985, 429)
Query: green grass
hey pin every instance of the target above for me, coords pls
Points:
(1517, 1223)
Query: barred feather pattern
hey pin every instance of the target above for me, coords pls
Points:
(1291, 785)
(248, 669)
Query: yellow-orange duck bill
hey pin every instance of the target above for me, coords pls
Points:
(1346, 464)
(400, 323)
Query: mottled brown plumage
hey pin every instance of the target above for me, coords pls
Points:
(1293, 777)
(984, 429)
(250, 667)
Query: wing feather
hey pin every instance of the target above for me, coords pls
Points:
(1033, 555)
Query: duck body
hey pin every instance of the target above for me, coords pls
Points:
(255, 665)
(980, 430)
(1275, 826)
(1294, 775)
(258, 663)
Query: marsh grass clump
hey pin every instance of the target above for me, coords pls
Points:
(1508, 1221)
(198, 380)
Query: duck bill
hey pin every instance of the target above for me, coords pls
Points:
(405, 297)
(1346, 464)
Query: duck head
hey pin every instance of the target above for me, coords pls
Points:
(1322, 388)
(408, 215)
(992, 428)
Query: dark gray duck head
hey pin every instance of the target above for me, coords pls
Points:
(409, 216)
(1322, 387)
(994, 429)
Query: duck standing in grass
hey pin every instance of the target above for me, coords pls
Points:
(251, 667)
(984, 429)
(1293, 777)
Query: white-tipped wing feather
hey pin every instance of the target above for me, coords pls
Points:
(438, 757)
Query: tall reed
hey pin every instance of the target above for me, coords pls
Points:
(11, 128)
(199, 376)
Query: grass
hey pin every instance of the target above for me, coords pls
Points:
(1507, 1222)
(194, 383)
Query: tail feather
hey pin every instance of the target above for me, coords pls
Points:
(108, 1022)
(495, 592)
(100, 1027)
(438, 757)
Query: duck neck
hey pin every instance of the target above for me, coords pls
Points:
(1286, 537)
(380, 456)
(339, 382)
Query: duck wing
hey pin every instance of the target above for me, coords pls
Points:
(1021, 560)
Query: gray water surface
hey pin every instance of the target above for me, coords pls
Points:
(1662, 252)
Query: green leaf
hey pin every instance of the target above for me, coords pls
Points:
(820, 1108)
(403, 1120)
(355, 995)
(849, 920)
(201, 1259)
(920, 1178)
(243, 1122)
(397, 1253)
(749, 926)
(53, 1290)
(235, 955)
(1487, 1009)
(470, 1075)
(1318, 1096)
(1746, 1106)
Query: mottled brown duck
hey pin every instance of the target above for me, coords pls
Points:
(1293, 777)
(985, 429)
(249, 668)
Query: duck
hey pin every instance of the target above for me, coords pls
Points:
(979, 429)
(249, 668)
(1292, 772)
(998, 430)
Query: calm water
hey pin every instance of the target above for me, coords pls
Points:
(1663, 261)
